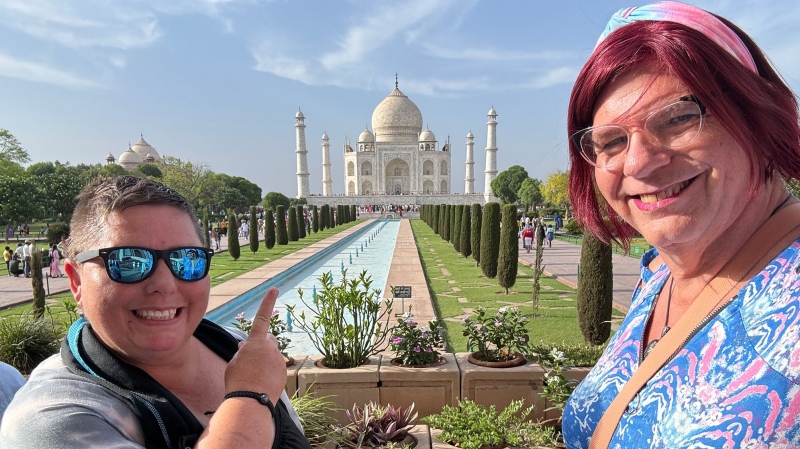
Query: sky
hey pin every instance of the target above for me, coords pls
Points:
(219, 81)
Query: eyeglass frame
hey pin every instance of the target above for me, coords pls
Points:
(578, 136)
(158, 254)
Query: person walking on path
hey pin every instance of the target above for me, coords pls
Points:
(7, 253)
(55, 259)
(550, 235)
(527, 238)
(26, 254)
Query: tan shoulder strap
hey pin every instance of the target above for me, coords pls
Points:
(773, 237)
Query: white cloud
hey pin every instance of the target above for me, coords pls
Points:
(41, 73)
(493, 54)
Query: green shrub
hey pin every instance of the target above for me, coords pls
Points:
(280, 221)
(509, 249)
(466, 234)
(301, 222)
(233, 236)
(253, 230)
(595, 290)
(475, 238)
(315, 219)
(435, 219)
(294, 234)
(269, 229)
(26, 341)
(577, 354)
(319, 426)
(572, 227)
(456, 238)
(490, 239)
(58, 230)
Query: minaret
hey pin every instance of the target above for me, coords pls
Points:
(326, 166)
(469, 181)
(302, 155)
(491, 155)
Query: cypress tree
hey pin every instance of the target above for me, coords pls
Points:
(490, 239)
(331, 218)
(253, 230)
(315, 219)
(595, 290)
(442, 209)
(456, 240)
(301, 222)
(452, 226)
(353, 212)
(233, 236)
(294, 235)
(37, 283)
(509, 248)
(475, 240)
(446, 233)
(269, 229)
(323, 217)
(435, 219)
(206, 234)
(466, 235)
(280, 221)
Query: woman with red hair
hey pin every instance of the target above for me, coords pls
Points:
(681, 130)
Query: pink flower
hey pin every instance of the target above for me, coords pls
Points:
(397, 340)
(498, 323)
(416, 349)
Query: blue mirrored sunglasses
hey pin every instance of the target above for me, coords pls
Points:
(132, 264)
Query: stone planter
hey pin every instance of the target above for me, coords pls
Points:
(518, 360)
(578, 374)
(499, 386)
(419, 436)
(429, 388)
(347, 387)
(291, 373)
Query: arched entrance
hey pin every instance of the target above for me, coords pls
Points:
(398, 177)
(366, 188)
(351, 188)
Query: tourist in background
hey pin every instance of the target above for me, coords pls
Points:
(14, 269)
(681, 130)
(55, 260)
(550, 233)
(7, 253)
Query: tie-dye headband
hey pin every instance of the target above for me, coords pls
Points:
(689, 16)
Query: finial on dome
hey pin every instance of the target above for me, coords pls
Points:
(395, 81)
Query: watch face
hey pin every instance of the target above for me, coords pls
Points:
(264, 399)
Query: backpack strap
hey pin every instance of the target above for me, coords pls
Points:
(779, 231)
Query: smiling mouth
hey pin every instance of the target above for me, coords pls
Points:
(664, 194)
(157, 315)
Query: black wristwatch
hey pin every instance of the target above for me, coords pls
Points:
(262, 398)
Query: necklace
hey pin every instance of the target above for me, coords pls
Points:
(666, 321)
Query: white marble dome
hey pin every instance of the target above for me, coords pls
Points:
(470, 136)
(397, 119)
(130, 159)
(366, 136)
(492, 112)
(143, 149)
(427, 136)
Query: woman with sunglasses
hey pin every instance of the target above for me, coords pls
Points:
(680, 130)
(142, 368)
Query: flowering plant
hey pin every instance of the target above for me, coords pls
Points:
(498, 336)
(276, 327)
(416, 345)
(557, 388)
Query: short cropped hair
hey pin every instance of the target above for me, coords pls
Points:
(758, 110)
(105, 196)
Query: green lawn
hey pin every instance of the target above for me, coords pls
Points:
(457, 287)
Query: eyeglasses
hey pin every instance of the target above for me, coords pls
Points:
(132, 264)
(673, 126)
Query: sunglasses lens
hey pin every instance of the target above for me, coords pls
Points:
(129, 265)
(189, 264)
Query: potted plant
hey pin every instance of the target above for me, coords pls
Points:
(276, 327)
(319, 427)
(345, 325)
(416, 346)
(501, 337)
(376, 426)
(473, 426)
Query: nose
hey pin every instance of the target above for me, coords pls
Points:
(162, 280)
(643, 155)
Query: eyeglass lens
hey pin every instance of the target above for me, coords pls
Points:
(673, 126)
(130, 265)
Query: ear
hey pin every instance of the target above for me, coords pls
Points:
(74, 274)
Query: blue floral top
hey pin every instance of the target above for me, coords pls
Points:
(735, 384)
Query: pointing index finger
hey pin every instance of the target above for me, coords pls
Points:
(261, 321)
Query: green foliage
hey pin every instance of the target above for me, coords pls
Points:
(416, 345)
(41, 169)
(555, 189)
(473, 426)
(298, 202)
(253, 230)
(435, 219)
(274, 199)
(490, 239)
(57, 231)
(25, 341)
(59, 190)
(10, 149)
(229, 198)
(451, 223)
(194, 180)
(443, 221)
(507, 183)
(499, 335)
(269, 229)
(323, 217)
(249, 191)
(595, 290)
(557, 388)
(277, 327)
(376, 426)
(20, 198)
(345, 321)
(466, 234)
(475, 238)
(301, 222)
(280, 222)
(149, 171)
(353, 212)
(315, 219)
(530, 193)
(509, 248)
(319, 426)
(456, 238)
(206, 234)
(294, 234)
(572, 227)
(233, 236)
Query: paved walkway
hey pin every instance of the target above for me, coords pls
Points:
(562, 260)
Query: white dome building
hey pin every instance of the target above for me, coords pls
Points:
(143, 149)
(130, 159)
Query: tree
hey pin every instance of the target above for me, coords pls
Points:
(442, 221)
(37, 284)
(250, 191)
(20, 199)
(274, 199)
(315, 219)
(149, 171)
(507, 183)
(435, 219)
(475, 238)
(60, 190)
(301, 222)
(269, 229)
(253, 230)
(353, 212)
(465, 234)
(233, 236)
(446, 234)
(595, 290)
(280, 222)
(451, 210)
(294, 234)
(530, 193)
(206, 235)
(10, 149)
(41, 169)
(456, 240)
(323, 217)
(298, 201)
(509, 248)
(555, 191)
(490, 239)
(112, 171)
(194, 180)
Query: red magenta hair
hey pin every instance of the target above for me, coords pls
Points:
(758, 110)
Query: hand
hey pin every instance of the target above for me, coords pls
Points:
(258, 365)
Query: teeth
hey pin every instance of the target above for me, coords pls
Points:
(157, 314)
(664, 193)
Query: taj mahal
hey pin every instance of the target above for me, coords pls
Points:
(396, 158)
